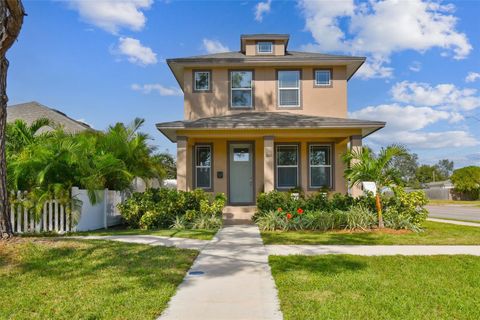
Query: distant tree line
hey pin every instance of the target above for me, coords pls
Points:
(415, 175)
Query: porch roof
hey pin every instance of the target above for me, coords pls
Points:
(267, 120)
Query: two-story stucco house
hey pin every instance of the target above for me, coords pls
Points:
(264, 118)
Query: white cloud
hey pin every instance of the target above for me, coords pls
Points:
(405, 25)
(415, 66)
(135, 51)
(472, 77)
(427, 140)
(405, 125)
(401, 117)
(160, 89)
(261, 9)
(446, 96)
(374, 69)
(112, 15)
(213, 46)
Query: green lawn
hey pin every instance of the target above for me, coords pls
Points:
(456, 202)
(387, 287)
(435, 233)
(192, 234)
(74, 279)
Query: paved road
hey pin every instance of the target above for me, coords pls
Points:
(459, 212)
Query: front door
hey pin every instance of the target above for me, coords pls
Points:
(241, 173)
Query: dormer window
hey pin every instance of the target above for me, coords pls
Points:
(202, 81)
(265, 47)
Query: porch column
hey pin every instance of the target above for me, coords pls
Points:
(268, 164)
(355, 145)
(182, 145)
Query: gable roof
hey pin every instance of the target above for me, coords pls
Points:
(31, 111)
(267, 120)
(240, 59)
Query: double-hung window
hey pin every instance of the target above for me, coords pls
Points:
(202, 81)
(287, 166)
(265, 47)
(241, 89)
(323, 78)
(289, 88)
(203, 166)
(320, 166)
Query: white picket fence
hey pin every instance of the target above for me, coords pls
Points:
(54, 218)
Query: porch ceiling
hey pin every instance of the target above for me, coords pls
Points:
(261, 123)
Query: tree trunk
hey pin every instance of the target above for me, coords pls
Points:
(11, 20)
(378, 204)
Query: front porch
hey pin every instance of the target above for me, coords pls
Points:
(244, 154)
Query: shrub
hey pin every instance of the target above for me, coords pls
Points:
(406, 210)
(278, 211)
(163, 208)
(359, 217)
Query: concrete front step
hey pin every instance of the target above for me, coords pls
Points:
(232, 213)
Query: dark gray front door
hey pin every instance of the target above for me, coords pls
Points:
(241, 173)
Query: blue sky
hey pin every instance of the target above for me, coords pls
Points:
(104, 61)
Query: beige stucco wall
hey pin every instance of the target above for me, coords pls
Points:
(220, 159)
(317, 101)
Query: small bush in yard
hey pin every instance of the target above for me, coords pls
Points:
(165, 208)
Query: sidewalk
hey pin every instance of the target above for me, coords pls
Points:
(230, 279)
(458, 222)
(373, 250)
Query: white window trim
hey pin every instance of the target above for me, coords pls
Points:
(289, 88)
(310, 166)
(202, 167)
(286, 166)
(265, 52)
(195, 80)
(244, 89)
(329, 78)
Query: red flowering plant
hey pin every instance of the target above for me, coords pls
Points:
(279, 209)
(289, 215)
(300, 211)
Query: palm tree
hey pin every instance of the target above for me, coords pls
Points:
(364, 165)
(20, 134)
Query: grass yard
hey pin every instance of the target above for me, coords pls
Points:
(435, 233)
(73, 279)
(456, 202)
(388, 287)
(192, 234)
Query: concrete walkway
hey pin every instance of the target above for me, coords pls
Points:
(374, 250)
(461, 223)
(230, 279)
(183, 243)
